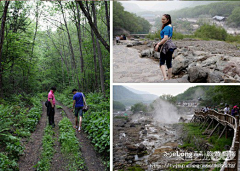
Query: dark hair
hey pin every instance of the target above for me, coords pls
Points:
(53, 88)
(74, 90)
(169, 20)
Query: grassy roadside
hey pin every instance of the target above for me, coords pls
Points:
(48, 150)
(70, 146)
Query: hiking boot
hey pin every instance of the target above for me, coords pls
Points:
(79, 129)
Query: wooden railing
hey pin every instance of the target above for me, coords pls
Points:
(230, 121)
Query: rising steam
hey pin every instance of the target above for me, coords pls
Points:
(165, 112)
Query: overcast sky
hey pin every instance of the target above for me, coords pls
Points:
(162, 89)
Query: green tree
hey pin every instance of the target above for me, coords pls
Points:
(128, 21)
(118, 106)
(139, 107)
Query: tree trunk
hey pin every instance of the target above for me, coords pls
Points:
(93, 26)
(70, 45)
(99, 52)
(95, 61)
(80, 46)
(107, 19)
(1, 44)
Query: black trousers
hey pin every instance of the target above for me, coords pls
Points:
(51, 115)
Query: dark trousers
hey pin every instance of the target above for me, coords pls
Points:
(166, 58)
(51, 116)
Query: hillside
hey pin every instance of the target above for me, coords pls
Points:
(193, 93)
(127, 97)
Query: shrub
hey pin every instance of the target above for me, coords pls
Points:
(207, 32)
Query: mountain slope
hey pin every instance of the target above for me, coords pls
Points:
(128, 98)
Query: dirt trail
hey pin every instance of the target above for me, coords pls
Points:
(92, 160)
(34, 146)
(128, 67)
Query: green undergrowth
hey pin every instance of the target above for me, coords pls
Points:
(193, 138)
(47, 151)
(96, 122)
(19, 116)
(205, 32)
(70, 146)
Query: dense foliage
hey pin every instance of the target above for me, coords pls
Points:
(193, 93)
(52, 44)
(129, 21)
(211, 32)
(118, 106)
(226, 9)
(96, 121)
(18, 120)
(139, 107)
(170, 98)
(212, 95)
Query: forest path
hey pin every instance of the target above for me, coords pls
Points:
(128, 67)
(33, 148)
(58, 161)
(92, 159)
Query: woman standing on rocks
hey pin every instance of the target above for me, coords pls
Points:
(167, 47)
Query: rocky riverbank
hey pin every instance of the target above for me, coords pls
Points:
(140, 141)
(195, 61)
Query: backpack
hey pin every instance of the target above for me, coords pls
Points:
(47, 103)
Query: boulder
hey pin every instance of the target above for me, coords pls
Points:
(137, 43)
(141, 148)
(129, 158)
(199, 53)
(237, 77)
(132, 125)
(230, 80)
(209, 61)
(129, 45)
(131, 148)
(197, 74)
(146, 53)
(232, 68)
(149, 44)
(221, 65)
(179, 63)
(192, 64)
(215, 77)
(144, 132)
(156, 55)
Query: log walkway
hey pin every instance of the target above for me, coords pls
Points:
(216, 121)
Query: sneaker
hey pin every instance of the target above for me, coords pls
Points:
(79, 129)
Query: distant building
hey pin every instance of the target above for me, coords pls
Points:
(219, 18)
(188, 103)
